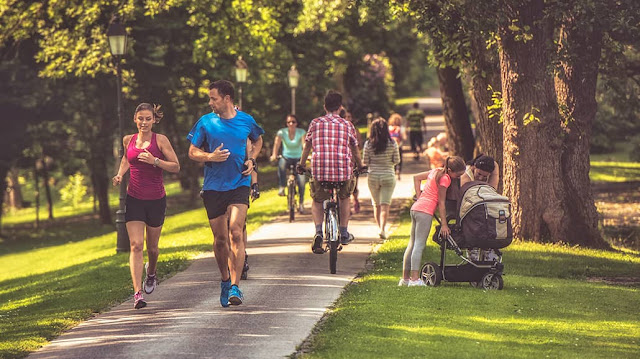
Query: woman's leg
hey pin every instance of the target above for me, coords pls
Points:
(136, 238)
(422, 228)
(406, 260)
(388, 184)
(282, 172)
(300, 179)
(153, 237)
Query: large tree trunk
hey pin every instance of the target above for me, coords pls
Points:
(532, 150)
(456, 115)
(576, 89)
(47, 188)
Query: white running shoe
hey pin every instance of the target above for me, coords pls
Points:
(416, 283)
(403, 282)
(150, 281)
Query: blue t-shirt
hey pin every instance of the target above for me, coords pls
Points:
(291, 148)
(209, 132)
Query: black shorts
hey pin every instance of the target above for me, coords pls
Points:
(216, 202)
(151, 211)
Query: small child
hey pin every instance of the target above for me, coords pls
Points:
(422, 211)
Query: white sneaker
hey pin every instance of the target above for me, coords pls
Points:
(403, 282)
(416, 283)
(382, 234)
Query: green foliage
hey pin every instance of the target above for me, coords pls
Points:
(74, 191)
(531, 116)
(495, 108)
(544, 310)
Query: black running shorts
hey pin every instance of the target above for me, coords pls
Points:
(151, 211)
(216, 202)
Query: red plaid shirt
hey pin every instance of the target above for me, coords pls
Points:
(330, 137)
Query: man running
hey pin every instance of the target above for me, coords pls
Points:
(334, 143)
(219, 139)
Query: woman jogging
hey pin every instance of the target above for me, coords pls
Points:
(146, 155)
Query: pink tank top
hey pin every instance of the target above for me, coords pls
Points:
(428, 199)
(145, 181)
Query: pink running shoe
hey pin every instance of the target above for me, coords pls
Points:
(138, 301)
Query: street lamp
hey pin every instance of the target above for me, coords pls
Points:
(241, 77)
(294, 76)
(117, 35)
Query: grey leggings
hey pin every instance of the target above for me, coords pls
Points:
(420, 228)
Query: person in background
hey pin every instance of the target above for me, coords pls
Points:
(437, 150)
(356, 201)
(146, 155)
(291, 138)
(482, 168)
(415, 120)
(431, 197)
(396, 131)
(380, 156)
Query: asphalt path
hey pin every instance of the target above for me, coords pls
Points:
(288, 291)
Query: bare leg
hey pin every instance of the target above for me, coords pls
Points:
(345, 211)
(317, 213)
(237, 216)
(153, 237)
(220, 232)
(383, 214)
(135, 229)
(376, 214)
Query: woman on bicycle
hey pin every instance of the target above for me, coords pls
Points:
(291, 138)
(381, 155)
(146, 155)
(433, 195)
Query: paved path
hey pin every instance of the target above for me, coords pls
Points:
(288, 291)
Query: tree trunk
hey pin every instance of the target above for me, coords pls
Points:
(456, 114)
(576, 90)
(532, 148)
(4, 169)
(15, 192)
(100, 180)
(47, 188)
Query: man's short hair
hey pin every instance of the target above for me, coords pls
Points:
(485, 163)
(416, 105)
(332, 101)
(224, 88)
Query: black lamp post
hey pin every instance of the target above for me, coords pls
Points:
(117, 35)
(294, 76)
(241, 77)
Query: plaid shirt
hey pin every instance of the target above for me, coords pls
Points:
(330, 137)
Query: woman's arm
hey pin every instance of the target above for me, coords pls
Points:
(124, 163)
(442, 210)
(171, 163)
(276, 147)
(417, 179)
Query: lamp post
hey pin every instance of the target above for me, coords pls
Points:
(294, 76)
(241, 77)
(117, 35)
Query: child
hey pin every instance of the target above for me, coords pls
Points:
(433, 194)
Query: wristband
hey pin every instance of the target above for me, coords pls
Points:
(156, 162)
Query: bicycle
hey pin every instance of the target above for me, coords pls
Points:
(331, 208)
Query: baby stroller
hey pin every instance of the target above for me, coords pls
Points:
(482, 227)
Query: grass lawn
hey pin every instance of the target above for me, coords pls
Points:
(548, 308)
(61, 276)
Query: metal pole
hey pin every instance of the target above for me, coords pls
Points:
(123, 244)
(240, 95)
(293, 100)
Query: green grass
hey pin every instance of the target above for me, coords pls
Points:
(46, 276)
(604, 171)
(547, 309)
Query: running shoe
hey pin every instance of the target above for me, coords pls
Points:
(403, 282)
(138, 301)
(281, 192)
(416, 283)
(235, 295)
(245, 267)
(317, 244)
(345, 240)
(150, 281)
(224, 292)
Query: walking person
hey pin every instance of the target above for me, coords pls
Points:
(433, 195)
(146, 155)
(219, 140)
(356, 201)
(415, 119)
(334, 143)
(396, 130)
(381, 155)
(291, 139)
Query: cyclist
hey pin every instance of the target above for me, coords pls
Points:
(291, 138)
(334, 143)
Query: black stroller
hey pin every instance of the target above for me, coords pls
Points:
(482, 227)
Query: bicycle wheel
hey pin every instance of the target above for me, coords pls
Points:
(332, 236)
(291, 194)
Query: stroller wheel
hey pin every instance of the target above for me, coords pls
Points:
(492, 281)
(431, 274)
